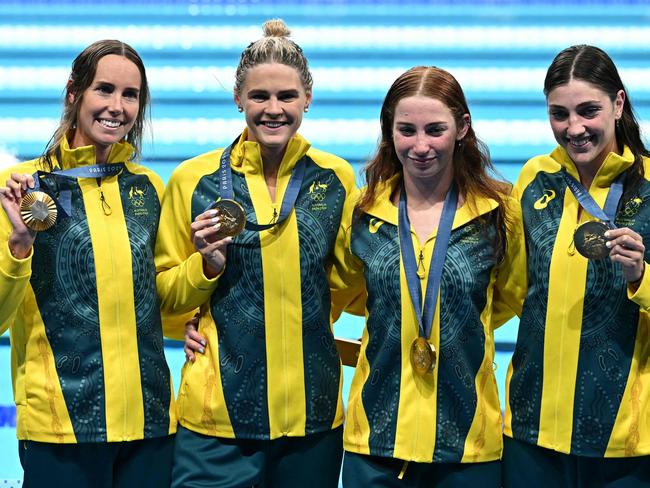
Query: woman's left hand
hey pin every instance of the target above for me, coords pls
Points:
(626, 247)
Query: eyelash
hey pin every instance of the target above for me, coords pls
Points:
(588, 112)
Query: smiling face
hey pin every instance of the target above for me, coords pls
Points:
(424, 137)
(109, 106)
(273, 99)
(583, 120)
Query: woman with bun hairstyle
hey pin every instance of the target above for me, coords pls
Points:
(422, 260)
(261, 406)
(579, 384)
(92, 389)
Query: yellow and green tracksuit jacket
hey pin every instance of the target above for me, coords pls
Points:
(86, 338)
(579, 381)
(453, 414)
(271, 367)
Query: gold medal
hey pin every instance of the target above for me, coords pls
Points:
(590, 240)
(38, 211)
(233, 218)
(423, 356)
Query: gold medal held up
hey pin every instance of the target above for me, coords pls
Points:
(38, 211)
(590, 240)
(423, 356)
(233, 218)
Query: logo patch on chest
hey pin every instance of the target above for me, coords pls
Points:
(317, 193)
(137, 200)
(542, 202)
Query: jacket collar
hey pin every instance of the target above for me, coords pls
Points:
(246, 155)
(85, 155)
(613, 165)
(384, 209)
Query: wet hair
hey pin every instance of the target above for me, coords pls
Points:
(274, 47)
(471, 160)
(81, 77)
(594, 66)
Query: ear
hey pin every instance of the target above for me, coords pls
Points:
(462, 131)
(308, 98)
(69, 94)
(236, 98)
(619, 102)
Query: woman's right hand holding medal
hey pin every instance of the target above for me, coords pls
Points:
(208, 242)
(22, 238)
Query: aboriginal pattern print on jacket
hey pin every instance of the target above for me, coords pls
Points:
(466, 276)
(608, 330)
(65, 285)
(238, 304)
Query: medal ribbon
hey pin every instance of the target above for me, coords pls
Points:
(290, 195)
(425, 315)
(92, 171)
(586, 201)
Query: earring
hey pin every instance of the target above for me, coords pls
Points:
(306, 108)
(240, 109)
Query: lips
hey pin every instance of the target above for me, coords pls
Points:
(579, 142)
(109, 124)
(272, 124)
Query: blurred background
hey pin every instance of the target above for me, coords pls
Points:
(498, 50)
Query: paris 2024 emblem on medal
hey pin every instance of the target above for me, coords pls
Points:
(590, 240)
(38, 211)
(233, 218)
(423, 356)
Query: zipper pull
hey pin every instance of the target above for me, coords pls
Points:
(275, 216)
(421, 265)
(106, 208)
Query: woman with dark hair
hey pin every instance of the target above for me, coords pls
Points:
(261, 406)
(91, 385)
(578, 383)
(422, 255)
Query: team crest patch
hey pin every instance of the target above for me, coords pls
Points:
(628, 213)
(137, 199)
(317, 192)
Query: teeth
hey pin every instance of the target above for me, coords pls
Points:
(580, 142)
(273, 125)
(113, 124)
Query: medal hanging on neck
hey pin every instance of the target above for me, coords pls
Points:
(589, 238)
(39, 209)
(422, 353)
(233, 217)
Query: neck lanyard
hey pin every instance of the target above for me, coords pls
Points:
(290, 195)
(63, 200)
(608, 212)
(425, 314)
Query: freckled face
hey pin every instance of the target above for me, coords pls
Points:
(424, 137)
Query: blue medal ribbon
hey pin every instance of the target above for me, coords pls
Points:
(608, 213)
(64, 198)
(290, 195)
(425, 314)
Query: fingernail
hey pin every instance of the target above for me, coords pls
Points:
(203, 343)
(215, 220)
(608, 243)
(607, 234)
(213, 213)
(217, 226)
(201, 350)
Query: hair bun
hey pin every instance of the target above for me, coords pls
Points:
(276, 28)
